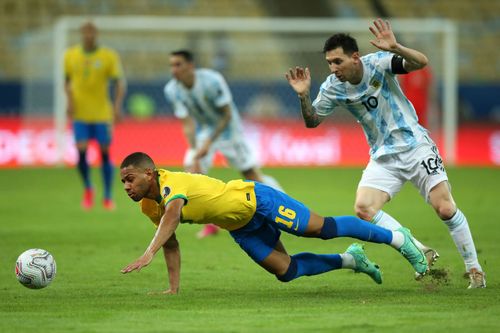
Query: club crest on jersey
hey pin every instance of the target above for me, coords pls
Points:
(166, 191)
(374, 83)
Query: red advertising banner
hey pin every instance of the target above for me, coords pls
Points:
(276, 143)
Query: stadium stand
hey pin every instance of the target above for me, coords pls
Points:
(478, 21)
(479, 26)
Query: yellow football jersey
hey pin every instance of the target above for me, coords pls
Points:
(89, 74)
(207, 200)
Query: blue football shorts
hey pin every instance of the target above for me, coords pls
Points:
(101, 132)
(275, 211)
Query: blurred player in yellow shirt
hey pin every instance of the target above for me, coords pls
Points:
(254, 214)
(89, 69)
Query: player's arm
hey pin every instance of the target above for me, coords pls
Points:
(311, 118)
(300, 80)
(223, 122)
(385, 40)
(412, 59)
(69, 97)
(172, 254)
(189, 128)
(120, 88)
(168, 223)
(182, 112)
(67, 85)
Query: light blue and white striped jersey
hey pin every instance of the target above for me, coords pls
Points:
(209, 93)
(388, 118)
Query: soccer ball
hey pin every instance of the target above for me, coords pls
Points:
(35, 268)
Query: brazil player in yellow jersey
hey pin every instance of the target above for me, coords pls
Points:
(89, 68)
(254, 214)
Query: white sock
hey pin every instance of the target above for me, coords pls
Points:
(460, 232)
(398, 239)
(347, 260)
(270, 181)
(384, 220)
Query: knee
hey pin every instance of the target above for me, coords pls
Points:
(364, 211)
(290, 274)
(329, 229)
(444, 207)
(446, 210)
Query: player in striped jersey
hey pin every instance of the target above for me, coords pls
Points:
(202, 100)
(400, 149)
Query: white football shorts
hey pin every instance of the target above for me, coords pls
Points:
(423, 166)
(236, 150)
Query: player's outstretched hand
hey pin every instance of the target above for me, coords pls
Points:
(385, 39)
(299, 79)
(143, 261)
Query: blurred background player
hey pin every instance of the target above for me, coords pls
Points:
(418, 87)
(202, 100)
(400, 149)
(89, 68)
(255, 215)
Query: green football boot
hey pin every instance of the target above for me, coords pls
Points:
(413, 254)
(363, 264)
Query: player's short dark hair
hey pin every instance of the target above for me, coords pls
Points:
(343, 40)
(187, 55)
(138, 159)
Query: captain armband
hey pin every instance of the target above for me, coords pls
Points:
(397, 65)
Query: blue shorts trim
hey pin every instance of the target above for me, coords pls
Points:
(101, 132)
(275, 211)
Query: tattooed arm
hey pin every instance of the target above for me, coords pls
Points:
(311, 118)
(300, 80)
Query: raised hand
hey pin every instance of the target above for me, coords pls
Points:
(299, 79)
(385, 39)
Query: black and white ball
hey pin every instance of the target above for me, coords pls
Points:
(35, 268)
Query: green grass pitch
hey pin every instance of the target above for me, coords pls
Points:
(222, 290)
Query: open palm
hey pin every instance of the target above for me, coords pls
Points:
(300, 79)
(385, 39)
